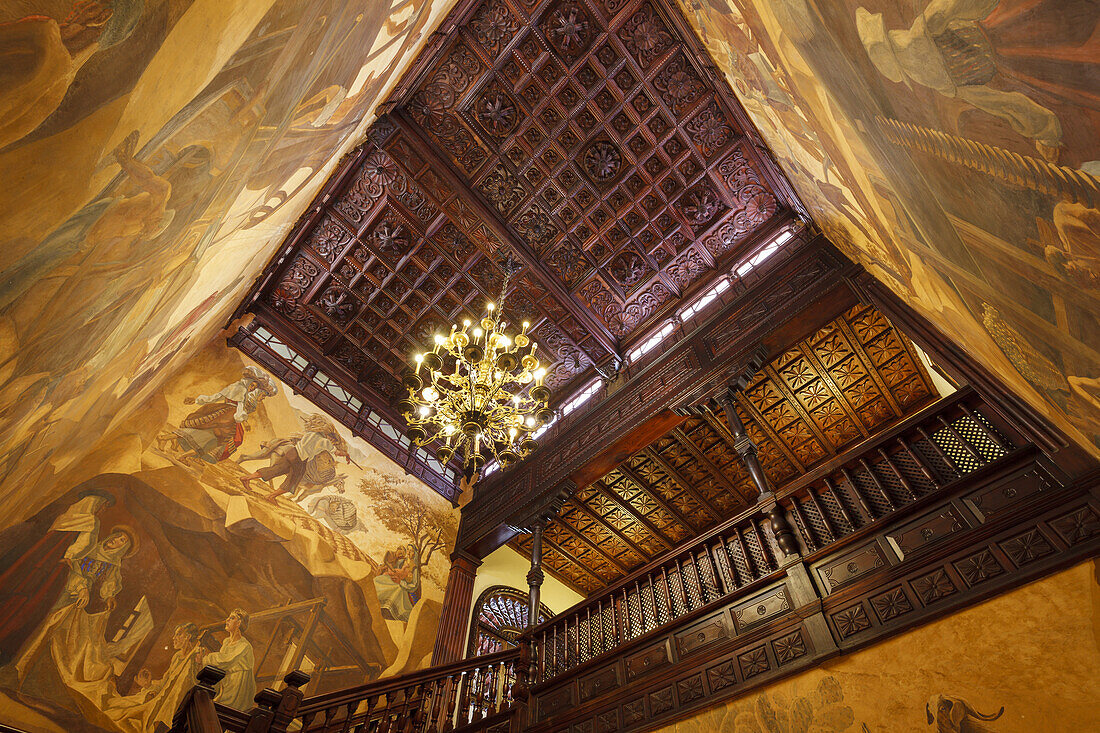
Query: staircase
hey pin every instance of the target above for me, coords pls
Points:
(731, 610)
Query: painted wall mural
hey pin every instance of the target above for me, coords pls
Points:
(953, 148)
(154, 153)
(969, 673)
(249, 532)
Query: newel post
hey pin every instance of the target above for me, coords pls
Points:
(197, 714)
(290, 697)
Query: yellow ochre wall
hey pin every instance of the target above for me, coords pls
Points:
(1033, 651)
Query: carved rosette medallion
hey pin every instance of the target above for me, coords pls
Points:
(569, 29)
(602, 162)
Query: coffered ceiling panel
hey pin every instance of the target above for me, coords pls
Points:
(850, 379)
(592, 132)
(587, 141)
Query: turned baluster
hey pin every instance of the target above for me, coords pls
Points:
(554, 653)
(682, 584)
(770, 561)
(603, 629)
(667, 593)
(878, 484)
(940, 452)
(626, 611)
(989, 433)
(451, 701)
(796, 508)
(703, 599)
(860, 498)
(541, 671)
(435, 706)
(962, 441)
(898, 474)
(576, 638)
(922, 466)
(750, 564)
(840, 504)
(416, 715)
(821, 513)
(465, 683)
(735, 579)
(588, 625)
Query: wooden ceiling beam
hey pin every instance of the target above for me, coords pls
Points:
(656, 497)
(708, 464)
(586, 510)
(869, 367)
(565, 580)
(603, 582)
(792, 399)
(638, 516)
(681, 480)
(530, 258)
(597, 546)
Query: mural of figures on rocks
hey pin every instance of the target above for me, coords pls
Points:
(952, 147)
(154, 155)
(249, 531)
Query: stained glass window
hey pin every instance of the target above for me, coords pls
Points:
(499, 616)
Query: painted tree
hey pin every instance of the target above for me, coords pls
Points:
(428, 528)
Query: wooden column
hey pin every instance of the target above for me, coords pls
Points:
(535, 575)
(746, 449)
(454, 620)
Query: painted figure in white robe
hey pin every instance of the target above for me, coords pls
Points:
(215, 430)
(236, 658)
(960, 48)
(154, 704)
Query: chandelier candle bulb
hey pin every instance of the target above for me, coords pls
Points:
(487, 403)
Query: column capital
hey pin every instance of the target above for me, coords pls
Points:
(462, 560)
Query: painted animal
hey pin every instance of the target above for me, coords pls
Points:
(954, 715)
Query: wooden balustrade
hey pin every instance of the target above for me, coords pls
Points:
(915, 459)
(877, 483)
(455, 697)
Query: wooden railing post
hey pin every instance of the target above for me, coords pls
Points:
(197, 714)
(290, 697)
(259, 719)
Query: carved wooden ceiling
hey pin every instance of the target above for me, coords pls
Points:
(850, 379)
(589, 140)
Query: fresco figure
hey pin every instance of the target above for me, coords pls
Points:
(32, 584)
(1076, 255)
(156, 701)
(236, 657)
(215, 430)
(958, 48)
(307, 457)
(954, 715)
(398, 583)
(39, 58)
(70, 647)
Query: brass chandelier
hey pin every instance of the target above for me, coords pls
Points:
(474, 394)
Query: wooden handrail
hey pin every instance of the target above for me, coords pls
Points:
(896, 471)
(391, 684)
(783, 492)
